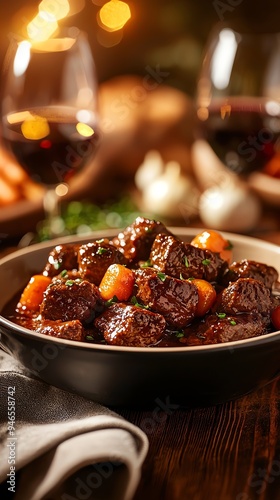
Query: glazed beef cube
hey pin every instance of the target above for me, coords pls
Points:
(136, 240)
(95, 258)
(70, 330)
(60, 258)
(175, 299)
(128, 325)
(228, 329)
(179, 259)
(245, 295)
(251, 269)
(70, 300)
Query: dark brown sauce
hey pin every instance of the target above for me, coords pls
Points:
(191, 335)
(171, 338)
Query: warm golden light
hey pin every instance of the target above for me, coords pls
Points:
(22, 58)
(54, 9)
(35, 128)
(203, 114)
(61, 189)
(84, 130)
(114, 15)
(42, 27)
(225, 110)
(53, 45)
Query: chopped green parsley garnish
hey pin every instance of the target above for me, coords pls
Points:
(145, 264)
(232, 322)
(229, 246)
(206, 262)
(111, 301)
(69, 282)
(179, 335)
(101, 250)
(161, 276)
(64, 273)
(221, 315)
(135, 302)
(186, 262)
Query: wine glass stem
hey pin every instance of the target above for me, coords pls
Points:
(52, 210)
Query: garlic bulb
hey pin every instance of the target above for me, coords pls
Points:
(230, 207)
(149, 170)
(171, 194)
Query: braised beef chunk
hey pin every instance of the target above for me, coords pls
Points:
(251, 269)
(246, 295)
(179, 259)
(60, 258)
(70, 330)
(175, 299)
(136, 240)
(95, 258)
(129, 325)
(216, 330)
(70, 300)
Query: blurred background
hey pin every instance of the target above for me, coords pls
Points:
(159, 50)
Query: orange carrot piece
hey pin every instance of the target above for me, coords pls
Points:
(206, 296)
(118, 281)
(33, 293)
(214, 241)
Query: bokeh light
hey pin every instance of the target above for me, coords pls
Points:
(42, 27)
(54, 10)
(35, 128)
(113, 15)
(84, 129)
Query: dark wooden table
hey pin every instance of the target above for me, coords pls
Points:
(225, 452)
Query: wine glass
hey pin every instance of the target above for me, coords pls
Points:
(49, 111)
(238, 98)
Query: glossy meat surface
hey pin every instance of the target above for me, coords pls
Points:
(69, 300)
(251, 269)
(175, 299)
(228, 328)
(95, 258)
(61, 257)
(246, 295)
(179, 259)
(125, 324)
(136, 240)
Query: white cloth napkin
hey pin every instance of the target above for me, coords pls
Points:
(63, 446)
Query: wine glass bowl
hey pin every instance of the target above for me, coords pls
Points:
(238, 98)
(50, 108)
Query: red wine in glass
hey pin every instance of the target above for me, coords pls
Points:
(238, 98)
(50, 109)
(64, 145)
(243, 132)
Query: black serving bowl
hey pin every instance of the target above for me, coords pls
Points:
(129, 376)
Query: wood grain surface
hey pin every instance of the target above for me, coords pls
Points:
(226, 452)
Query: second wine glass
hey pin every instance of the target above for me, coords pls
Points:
(238, 98)
(50, 110)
